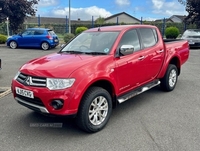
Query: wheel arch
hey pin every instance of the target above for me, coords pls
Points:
(14, 41)
(44, 41)
(108, 86)
(176, 61)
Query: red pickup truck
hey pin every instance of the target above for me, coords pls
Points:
(97, 70)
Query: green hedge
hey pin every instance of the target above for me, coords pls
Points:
(3, 39)
(67, 37)
(172, 32)
(80, 30)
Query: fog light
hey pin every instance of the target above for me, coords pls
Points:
(57, 104)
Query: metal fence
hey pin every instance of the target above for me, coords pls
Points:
(63, 28)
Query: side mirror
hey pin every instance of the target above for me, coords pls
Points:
(126, 49)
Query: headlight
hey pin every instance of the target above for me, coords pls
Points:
(17, 74)
(55, 84)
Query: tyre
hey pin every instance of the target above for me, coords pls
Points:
(95, 110)
(45, 46)
(13, 44)
(169, 81)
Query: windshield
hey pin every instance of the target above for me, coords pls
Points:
(92, 42)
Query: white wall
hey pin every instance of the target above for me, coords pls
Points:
(122, 18)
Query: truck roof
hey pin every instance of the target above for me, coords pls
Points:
(118, 27)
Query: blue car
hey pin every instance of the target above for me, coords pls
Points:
(34, 37)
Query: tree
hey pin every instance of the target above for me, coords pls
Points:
(193, 9)
(99, 21)
(17, 11)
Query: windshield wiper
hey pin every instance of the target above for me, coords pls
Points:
(82, 52)
(72, 52)
(96, 53)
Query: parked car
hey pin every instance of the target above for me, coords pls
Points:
(192, 36)
(34, 37)
(99, 69)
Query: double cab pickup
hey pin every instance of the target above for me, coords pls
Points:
(97, 70)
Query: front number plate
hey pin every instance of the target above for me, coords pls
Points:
(191, 42)
(23, 92)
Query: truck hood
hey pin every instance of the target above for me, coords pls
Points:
(57, 65)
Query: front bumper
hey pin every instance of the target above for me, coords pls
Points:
(194, 43)
(43, 98)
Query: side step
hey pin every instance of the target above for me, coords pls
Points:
(138, 91)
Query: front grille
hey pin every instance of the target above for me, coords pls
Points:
(193, 36)
(31, 81)
(35, 101)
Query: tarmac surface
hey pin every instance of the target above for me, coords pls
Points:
(152, 121)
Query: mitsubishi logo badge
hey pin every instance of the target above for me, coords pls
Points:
(28, 80)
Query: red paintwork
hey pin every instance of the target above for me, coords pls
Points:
(87, 69)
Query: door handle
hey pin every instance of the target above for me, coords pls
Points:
(141, 57)
(160, 51)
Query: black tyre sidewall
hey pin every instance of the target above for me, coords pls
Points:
(165, 81)
(12, 42)
(45, 43)
(83, 119)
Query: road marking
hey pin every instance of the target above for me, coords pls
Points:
(5, 91)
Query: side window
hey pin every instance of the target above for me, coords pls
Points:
(28, 32)
(38, 32)
(148, 37)
(131, 38)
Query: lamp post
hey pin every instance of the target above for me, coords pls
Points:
(69, 18)
(7, 26)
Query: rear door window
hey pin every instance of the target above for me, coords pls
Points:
(155, 34)
(148, 36)
(39, 32)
